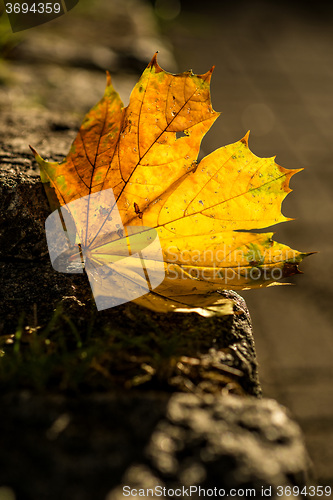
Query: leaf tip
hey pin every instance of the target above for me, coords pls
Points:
(154, 64)
(307, 254)
(34, 152)
(205, 76)
(37, 156)
(290, 171)
(245, 139)
(108, 79)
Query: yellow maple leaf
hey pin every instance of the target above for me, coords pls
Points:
(202, 213)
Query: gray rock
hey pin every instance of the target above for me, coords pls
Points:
(90, 447)
(227, 442)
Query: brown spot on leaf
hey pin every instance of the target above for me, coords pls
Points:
(137, 210)
(289, 269)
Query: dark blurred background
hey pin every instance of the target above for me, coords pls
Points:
(274, 76)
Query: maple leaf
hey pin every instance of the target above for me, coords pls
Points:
(203, 213)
